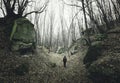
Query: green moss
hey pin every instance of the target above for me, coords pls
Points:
(100, 37)
(23, 35)
(13, 31)
(23, 30)
(97, 44)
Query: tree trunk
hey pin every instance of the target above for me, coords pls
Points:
(87, 33)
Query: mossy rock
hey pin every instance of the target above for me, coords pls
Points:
(94, 52)
(20, 45)
(23, 34)
(105, 70)
(97, 44)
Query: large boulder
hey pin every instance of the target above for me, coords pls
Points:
(106, 70)
(93, 53)
(23, 35)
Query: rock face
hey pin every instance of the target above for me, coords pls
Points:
(23, 35)
(106, 70)
(92, 55)
(103, 58)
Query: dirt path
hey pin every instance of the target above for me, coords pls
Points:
(41, 71)
(75, 71)
(58, 59)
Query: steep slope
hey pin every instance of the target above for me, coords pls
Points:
(103, 59)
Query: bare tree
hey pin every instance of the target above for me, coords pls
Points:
(52, 18)
(16, 8)
(86, 26)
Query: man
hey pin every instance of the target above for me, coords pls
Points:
(64, 61)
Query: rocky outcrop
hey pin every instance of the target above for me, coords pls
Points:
(23, 35)
(106, 70)
(103, 58)
(92, 55)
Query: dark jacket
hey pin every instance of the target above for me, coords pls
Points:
(64, 59)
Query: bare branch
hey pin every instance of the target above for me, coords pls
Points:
(71, 4)
(2, 8)
(76, 4)
(38, 11)
(13, 6)
(2, 11)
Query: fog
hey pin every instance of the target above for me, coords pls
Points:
(61, 20)
(57, 11)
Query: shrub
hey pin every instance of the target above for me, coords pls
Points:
(61, 50)
(100, 37)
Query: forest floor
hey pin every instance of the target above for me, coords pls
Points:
(75, 71)
(43, 67)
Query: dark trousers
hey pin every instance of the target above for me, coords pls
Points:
(64, 63)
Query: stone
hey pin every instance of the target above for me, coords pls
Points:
(23, 35)
(105, 70)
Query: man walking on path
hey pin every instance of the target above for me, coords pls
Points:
(64, 61)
